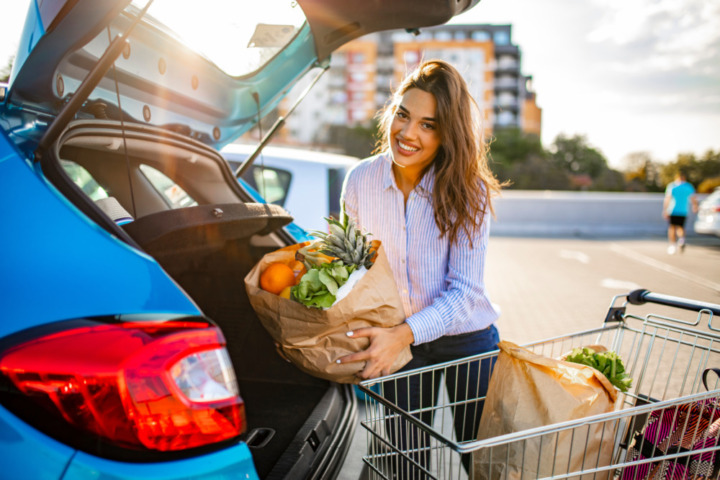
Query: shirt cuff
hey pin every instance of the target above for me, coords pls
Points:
(426, 325)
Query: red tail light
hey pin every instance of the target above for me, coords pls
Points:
(160, 386)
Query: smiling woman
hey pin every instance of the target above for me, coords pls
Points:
(222, 30)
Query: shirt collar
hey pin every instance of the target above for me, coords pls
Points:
(426, 182)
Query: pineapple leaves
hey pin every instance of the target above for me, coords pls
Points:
(345, 241)
(330, 260)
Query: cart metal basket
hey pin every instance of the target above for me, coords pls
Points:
(665, 354)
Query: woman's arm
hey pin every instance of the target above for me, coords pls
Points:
(461, 300)
(464, 297)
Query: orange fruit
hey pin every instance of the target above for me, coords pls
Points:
(298, 269)
(276, 276)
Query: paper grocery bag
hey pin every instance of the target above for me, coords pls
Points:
(313, 339)
(528, 390)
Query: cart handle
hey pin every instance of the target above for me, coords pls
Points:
(640, 297)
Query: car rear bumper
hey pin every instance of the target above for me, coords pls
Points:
(707, 228)
(229, 463)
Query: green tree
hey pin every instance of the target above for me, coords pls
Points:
(576, 156)
(587, 166)
(511, 145)
(641, 173)
(520, 159)
(358, 141)
(535, 172)
(609, 180)
(698, 171)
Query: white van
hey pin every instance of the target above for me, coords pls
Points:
(306, 183)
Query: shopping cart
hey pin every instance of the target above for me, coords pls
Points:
(665, 354)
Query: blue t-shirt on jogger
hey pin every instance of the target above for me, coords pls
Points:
(680, 193)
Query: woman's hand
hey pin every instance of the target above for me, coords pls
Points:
(385, 347)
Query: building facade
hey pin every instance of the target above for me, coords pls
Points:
(364, 73)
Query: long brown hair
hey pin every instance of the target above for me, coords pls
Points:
(464, 184)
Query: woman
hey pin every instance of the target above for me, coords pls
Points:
(427, 197)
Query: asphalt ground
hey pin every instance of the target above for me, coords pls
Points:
(547, 287)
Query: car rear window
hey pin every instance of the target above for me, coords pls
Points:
(272, 183)
(173, 194)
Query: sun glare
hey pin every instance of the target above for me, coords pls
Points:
(236, 38)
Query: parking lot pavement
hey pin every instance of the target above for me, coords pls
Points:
(554, 286)
(547, 287)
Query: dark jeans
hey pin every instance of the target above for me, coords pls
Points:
(418, 395)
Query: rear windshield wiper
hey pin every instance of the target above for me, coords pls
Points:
(279, 123)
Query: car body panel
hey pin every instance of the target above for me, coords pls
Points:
(27, 453)
(227, 464)
(707, 221)
(73, 259)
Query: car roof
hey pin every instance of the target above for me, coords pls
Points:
(299, 155)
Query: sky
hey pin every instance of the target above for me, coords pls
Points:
(630, 75)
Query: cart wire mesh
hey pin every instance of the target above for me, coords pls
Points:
(665, 355)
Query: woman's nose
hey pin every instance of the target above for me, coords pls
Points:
(409, 130)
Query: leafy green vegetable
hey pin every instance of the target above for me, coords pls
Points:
(608, 363)
(318, 287)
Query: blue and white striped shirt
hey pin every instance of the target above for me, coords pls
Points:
(441, 286)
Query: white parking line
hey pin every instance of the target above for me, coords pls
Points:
(664, 267)
(575, 255)
(619, 284)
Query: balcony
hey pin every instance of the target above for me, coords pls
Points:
(506, 105)
(512, 50)
(506, 84)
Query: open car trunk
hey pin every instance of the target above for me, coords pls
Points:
(191, 215)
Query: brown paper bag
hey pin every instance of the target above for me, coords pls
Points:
(528, 390)
(313, 339)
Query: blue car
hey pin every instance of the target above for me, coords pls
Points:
(128, 347)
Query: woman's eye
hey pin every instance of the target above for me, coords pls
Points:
(401, 114)
(429, 126)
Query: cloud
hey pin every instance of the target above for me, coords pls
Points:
(657, 55)
(661, 35)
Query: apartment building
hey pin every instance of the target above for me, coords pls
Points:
(364, 72)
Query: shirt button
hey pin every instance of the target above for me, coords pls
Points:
(405, 290)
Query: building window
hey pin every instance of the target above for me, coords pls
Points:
(443, 36)
(411, 57)
(480, 36)
(501, 37)
(505, 118)
(358, 77)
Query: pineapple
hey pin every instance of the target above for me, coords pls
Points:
(346, 242)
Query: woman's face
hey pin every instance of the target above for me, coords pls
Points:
(414, 137)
